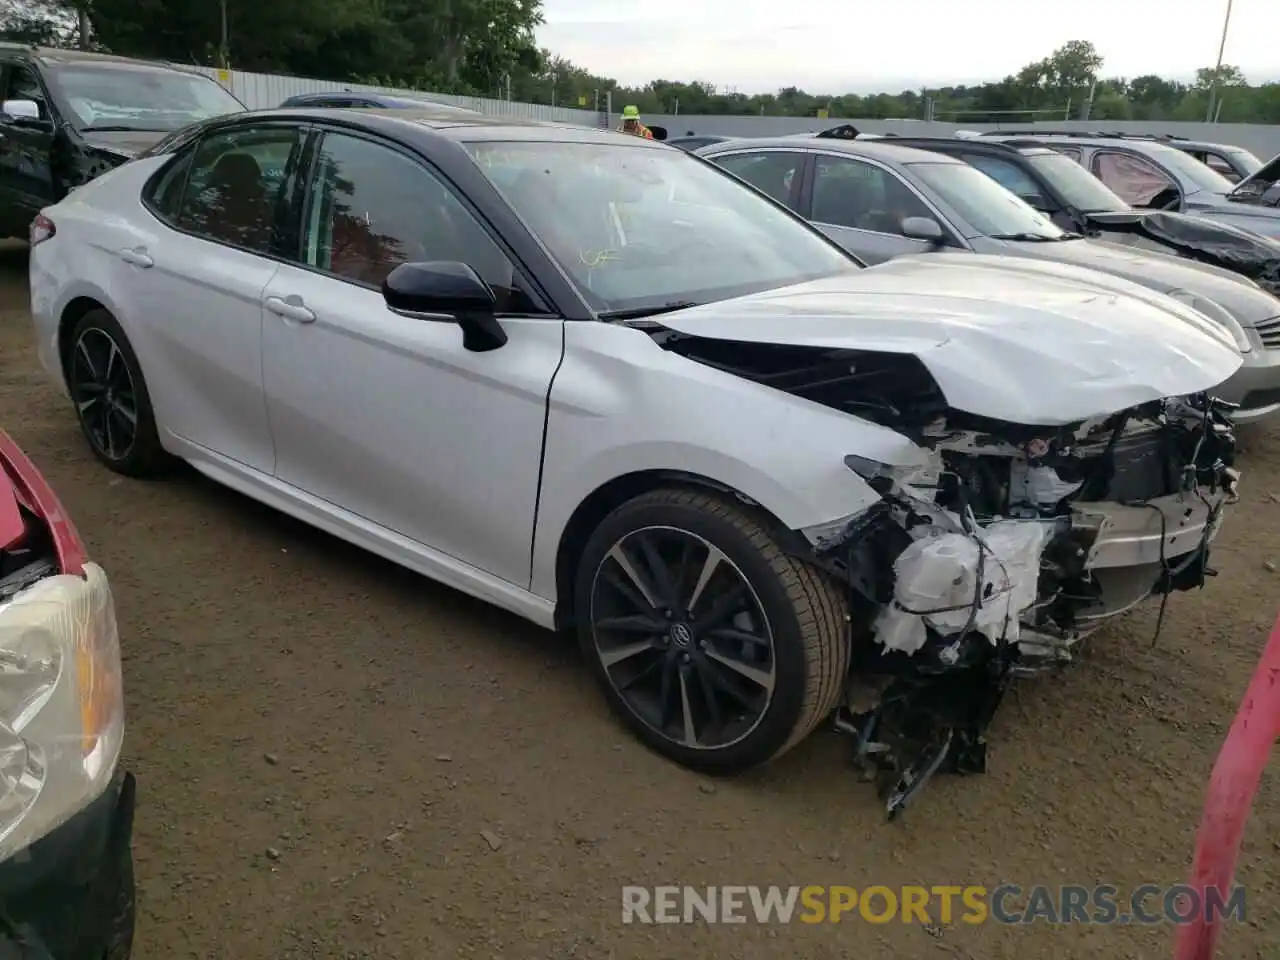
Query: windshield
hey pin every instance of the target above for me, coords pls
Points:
(1245, 161)
(639, 228)
(989, 208)
(130, 98)
(1190, 169)
(1078, 186)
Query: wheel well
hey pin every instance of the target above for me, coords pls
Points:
(603, 501)
(71, 315)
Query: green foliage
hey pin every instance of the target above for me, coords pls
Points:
(486, 48)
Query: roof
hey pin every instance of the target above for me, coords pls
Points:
(883, 150)
(1029, 138)
(968, 144)
(57, 55)
(451, 123)
(1172, 139)
(388, 99)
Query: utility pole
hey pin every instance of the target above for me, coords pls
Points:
(1217, 68)
(224, 48)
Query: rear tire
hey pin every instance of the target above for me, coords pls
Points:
(713, 646)
(111, 400)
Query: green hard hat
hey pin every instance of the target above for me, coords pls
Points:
(631, 113)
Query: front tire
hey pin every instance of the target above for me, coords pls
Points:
(716, 648)
(111, 400)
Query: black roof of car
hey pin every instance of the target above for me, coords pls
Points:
(884, 147)
(57, 55)
(382, 99)
(1172, 139)
(972, 145)
(446, 122)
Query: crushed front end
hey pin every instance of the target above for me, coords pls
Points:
(996, 559)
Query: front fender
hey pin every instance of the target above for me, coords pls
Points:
(621, 405)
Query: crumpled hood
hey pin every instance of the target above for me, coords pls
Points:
(1163, 272)
(127, 144)
(1009, 339)
(1268, 175)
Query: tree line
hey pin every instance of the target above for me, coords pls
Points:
(488, 48)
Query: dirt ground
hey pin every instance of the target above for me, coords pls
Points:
(320, 739)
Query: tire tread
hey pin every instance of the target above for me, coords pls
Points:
(820, 607)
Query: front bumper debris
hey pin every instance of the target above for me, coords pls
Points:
(70, 895)
(958, 589)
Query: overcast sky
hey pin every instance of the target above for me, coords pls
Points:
(863, 46)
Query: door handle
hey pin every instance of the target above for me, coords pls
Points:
(291, 308)
(137, 256)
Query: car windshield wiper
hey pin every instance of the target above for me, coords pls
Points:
(1030, 237)
(113, 128)
(638, 313)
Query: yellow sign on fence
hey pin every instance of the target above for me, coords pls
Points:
(823, 113)
(224, 76)
(582, 101)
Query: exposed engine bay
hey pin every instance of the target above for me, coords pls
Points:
(994, 560)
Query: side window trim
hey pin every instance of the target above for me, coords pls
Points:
(187, 154)
(952, 235)
(522, 278)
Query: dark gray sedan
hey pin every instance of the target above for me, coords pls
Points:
(880, 201)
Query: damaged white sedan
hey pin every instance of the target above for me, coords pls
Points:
(600, 383)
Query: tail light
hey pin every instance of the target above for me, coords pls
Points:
(42, 229)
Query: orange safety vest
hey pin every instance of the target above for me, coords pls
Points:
(640, 131)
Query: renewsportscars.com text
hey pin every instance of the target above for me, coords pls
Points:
(973, 904)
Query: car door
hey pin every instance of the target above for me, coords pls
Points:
(861, 206)
(191, 281)
(26, 177)
(778, 173)
(388, 417)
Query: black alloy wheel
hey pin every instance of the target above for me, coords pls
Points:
(111, 399)
(102, 390)
(683, 637)
(717, 648)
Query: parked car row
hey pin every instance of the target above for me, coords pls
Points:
(608, 386)
(881, 200)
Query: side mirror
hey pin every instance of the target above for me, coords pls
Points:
(922, 228)
(21, 110)
(659, 133)
(446, 290)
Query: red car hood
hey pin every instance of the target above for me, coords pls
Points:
(12, 527)
(22, 486)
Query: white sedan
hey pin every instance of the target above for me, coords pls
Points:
(595, 381)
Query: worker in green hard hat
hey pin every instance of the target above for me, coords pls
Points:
(631, 123)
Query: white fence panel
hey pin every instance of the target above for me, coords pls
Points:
(264, 91)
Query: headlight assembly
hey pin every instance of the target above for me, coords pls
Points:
(61, 704)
